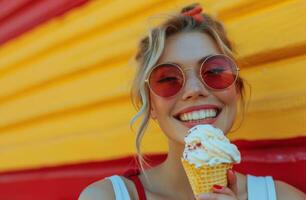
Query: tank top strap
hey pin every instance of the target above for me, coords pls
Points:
(120, 190)
(271, 188)
(262, 188)
(132, 174)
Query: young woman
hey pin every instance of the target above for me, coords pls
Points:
(187, 76)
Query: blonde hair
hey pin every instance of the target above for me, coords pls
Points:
(150, 50)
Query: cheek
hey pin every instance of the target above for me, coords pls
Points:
(160, 106)
(230, 100)
(228, 97)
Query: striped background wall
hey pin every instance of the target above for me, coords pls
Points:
(65, 72)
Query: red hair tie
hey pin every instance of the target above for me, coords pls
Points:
(195, 13)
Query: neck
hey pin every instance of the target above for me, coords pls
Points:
(173, 164)
(172, 179)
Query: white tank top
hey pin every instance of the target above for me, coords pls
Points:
(262, 188)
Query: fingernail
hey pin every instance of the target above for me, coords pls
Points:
(230, 171)
(218, 187)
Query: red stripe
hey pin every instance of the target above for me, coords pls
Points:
(290, 142)
(66, 182)
(23, 15)
(9, 7)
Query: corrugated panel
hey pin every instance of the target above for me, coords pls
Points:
(260, 158)
(19, 16)
(8, 8)
(71, 99)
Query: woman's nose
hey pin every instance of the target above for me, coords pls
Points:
(194, 88)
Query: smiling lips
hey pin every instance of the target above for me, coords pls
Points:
(192, 116)
(198, 115)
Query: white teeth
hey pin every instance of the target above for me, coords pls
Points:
(189, 116)
(203, 113)
(197, 115)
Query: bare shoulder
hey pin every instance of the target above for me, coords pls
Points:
(287, 192)
(98, 190)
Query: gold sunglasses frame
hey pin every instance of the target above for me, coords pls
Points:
(237, 69)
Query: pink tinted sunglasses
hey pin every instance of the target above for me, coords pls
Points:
(217, 72)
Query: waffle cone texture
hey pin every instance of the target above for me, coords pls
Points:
(203, 178)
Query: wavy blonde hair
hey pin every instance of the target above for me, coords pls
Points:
(151, 48)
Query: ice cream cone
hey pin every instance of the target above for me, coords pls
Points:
(203, 178)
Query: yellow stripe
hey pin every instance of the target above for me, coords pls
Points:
(278, 100)
(64, 86)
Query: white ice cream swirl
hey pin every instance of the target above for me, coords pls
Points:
(206, 144)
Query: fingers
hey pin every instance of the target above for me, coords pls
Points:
(232, 180)
(206, 196)
(223, 190)
(219, 192)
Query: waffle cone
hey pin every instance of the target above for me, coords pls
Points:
(203, 178)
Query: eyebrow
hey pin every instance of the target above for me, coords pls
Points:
(203, 59)
(199, 61)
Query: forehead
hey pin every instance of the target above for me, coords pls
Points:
(188, 47)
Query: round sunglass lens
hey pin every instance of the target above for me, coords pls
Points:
(219, 72)
(166, 80)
